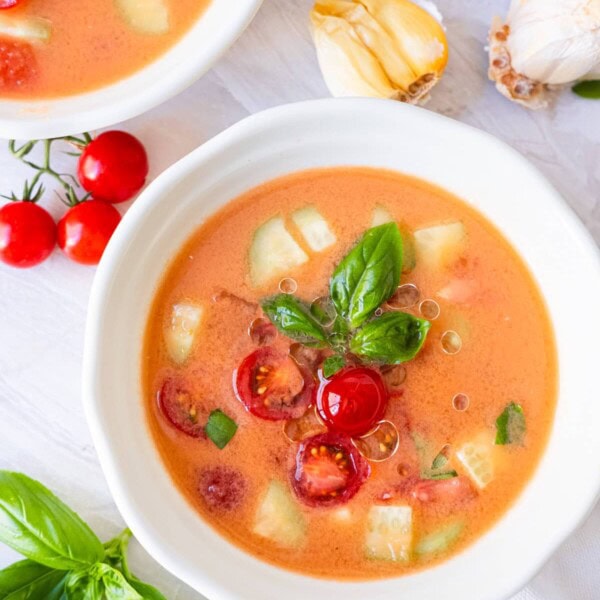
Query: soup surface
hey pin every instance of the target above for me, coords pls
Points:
(52, 48)
(440, 409)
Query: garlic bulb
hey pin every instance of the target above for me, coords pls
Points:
(543, 44)
(379, 48)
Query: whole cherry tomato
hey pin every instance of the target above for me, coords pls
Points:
(113, 167)
(86, 228)
(27, 234)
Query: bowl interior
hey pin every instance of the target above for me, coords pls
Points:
(217, 28)
(474, 166)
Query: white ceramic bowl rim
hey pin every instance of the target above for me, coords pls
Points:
(215, 31)
(561, 254)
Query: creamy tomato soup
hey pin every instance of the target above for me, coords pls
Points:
(349, 373)
(51, 48)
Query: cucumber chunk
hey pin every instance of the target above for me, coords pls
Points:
(389, 533)
(31, 29)
(278, 517)
(273, 252)
(440, 245)
(314, 228)
(477, 458)
(381, 216)
(145, 16)
(440, 540)
(182, 329)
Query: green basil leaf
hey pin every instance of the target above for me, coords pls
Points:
(83, 585)
(28, 580)
(392, 338)
(145, 590)
(332, 364)
(100, 582)
(439, 461)
(35, 523)
(588, 89)
(368, 275)
(444, 475)
(511, 426)
(220, 428)
(293, 318)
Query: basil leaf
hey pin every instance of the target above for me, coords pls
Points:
(511, 426)
(35, 523)
(333, 364)
(293, 318)
(439, 461)
(588, 89)
(392, 338)
(145, 590)
(368, 275)
(28, 580)
(100, 582)
(220, 428)
(444, 475)
(82, 585)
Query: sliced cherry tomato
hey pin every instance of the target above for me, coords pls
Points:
(329, 470)
(222, 487)
(272, 386)
(27, 234)
(18, 64)
(8, 3)
(85, 230)
(352, 401)
(113, 167)
(453, 490)
(178, 406)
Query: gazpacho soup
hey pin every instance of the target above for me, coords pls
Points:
(52, 48)
(349, 373)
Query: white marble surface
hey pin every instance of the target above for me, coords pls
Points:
(43, 310)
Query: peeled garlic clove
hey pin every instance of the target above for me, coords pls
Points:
(543, 43)
(382, 48)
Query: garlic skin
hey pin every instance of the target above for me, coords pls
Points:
(544, 44)
(379, 48)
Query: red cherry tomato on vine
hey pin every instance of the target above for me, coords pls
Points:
(85, 230)
(272, 386)
(329, 470)
(113, 167)
(352, 401)
(27, 234)
(17, 62)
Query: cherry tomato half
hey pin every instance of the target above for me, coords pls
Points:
(272, 386)
(329, 470)
(453, 490)
(27, 234)
(222, 488)
(86, 228)
(8, 3)
(177, 405)
(353, 401)
(113, 167)
(17, 63)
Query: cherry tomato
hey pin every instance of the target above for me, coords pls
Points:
(85, 229)
(18, 64)
(272, 386)
(329, 470)
(222, 487)
(177, 405)
(455, 490)
(352, 401)
(113, 167)
(8, 3)
(27, 234)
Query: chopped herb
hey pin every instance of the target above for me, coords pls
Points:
(443, 475)
(588, 89)
(439, 461)
(220, 428)
(510, 425)
(333, 364)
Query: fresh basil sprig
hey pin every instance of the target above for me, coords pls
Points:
(391, 339)
(65, 559)
(511, 426)
(368, 275)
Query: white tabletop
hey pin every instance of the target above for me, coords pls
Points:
(42, 311)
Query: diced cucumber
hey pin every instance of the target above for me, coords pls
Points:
(181, 330)
(314, 228)
(278, 517)
(477, 458)
(440, 540)
(32, 29)
(440, 245)
(273, 252)
(381, 216)
(389, 533)
(146, 16)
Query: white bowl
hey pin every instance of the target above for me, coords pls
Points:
(486, 173)
(215, 31)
